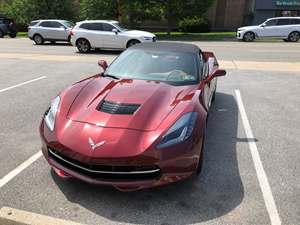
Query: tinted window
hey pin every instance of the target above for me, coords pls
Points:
(282, 22)
(92, 26)
(45, 24)
(271, 23)
(295, 21)
(176, 68)
(33, 23)
(56, 24)
(108, 27)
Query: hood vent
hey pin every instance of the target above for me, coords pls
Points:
(116, 108)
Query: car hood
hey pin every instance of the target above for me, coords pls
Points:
(155, 99)
(139, 33)
(249, 27)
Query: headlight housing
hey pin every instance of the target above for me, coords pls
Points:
(147, 38)
(51, 113)
(181, 130)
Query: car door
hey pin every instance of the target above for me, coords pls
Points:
(58, 31)
(111, 39)
(283, 27)
(268, 29)
(52, 30)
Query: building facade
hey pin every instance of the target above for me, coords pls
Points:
(231, 14)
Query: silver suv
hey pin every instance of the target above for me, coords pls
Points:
(49, 30)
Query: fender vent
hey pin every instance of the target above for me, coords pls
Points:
(116, 108)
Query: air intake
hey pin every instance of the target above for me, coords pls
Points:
(115, 108)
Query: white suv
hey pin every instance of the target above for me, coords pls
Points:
(107, 34)
(286, 28)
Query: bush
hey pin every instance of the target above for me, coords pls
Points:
(194, 25)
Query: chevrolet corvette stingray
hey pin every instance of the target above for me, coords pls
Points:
(138, 124)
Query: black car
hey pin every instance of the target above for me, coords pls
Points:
(7, 27)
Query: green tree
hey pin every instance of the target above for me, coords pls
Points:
(23, 11)
(175, 10)
(98, 9)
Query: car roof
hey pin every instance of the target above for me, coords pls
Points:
(48, 20)
(285, 17)
(168, 46)
(97, 21)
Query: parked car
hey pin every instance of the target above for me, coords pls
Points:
(286, 28)
(49, 30)
(7, 27)
(139, 124)
(106, 34)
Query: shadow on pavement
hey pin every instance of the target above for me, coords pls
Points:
(102, 52)
(216, 192)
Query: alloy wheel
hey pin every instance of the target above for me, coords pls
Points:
(294, 36)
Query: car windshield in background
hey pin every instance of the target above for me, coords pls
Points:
(68, 23)
(121, 27)
(176, 68)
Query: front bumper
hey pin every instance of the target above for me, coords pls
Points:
(239, 35)
(149, 169)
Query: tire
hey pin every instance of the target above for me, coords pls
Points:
(249, 36)
(13, 35)
(294, 36)
(200, 162)
(132, 43)
(38, 39)
(83, 45)
(52, 42)
(1, 34)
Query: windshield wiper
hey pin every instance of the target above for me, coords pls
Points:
(111, 76)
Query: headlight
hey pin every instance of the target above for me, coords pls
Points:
(147, 38)
(51, 114)
(180, 131)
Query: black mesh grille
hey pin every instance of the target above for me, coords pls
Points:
(115, 108)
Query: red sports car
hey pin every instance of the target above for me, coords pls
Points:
(139, 124)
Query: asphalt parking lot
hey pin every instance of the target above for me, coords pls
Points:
(251, 170)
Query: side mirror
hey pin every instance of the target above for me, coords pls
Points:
(115, 30)
(263, 25)
(63, 27)
(219, 73)
(103, 64)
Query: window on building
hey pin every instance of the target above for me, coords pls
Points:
(287, 13)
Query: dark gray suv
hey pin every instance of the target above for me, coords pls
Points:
(7, 27)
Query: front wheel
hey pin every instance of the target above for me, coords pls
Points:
(132, 42)
(13, 35)
(83, 45)
(38, 39)
(249, 37)
(294, 36)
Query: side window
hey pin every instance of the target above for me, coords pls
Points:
(282, 22)
(271, 23)
(295, 21)
(92, 26)
(201, 66)
(56, 24)
(107, 27)
(45, 24)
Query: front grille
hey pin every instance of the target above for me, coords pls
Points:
(115, 108)
(104, 172)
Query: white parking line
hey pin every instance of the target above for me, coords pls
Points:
(260, 172)
(18, 85)
(19, 169)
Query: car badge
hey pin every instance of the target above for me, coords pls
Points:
(93, 145)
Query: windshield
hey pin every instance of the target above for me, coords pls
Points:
(176, 68)
(68, 24)
(121, 27)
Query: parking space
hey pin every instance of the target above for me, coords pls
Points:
(227, 192)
